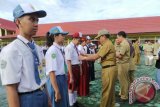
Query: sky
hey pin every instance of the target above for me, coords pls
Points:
(85, 10)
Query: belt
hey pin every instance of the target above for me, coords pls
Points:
(31, 92)
(107, 66)
(75, 65)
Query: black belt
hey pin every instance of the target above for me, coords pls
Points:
(31, 92)
(75, 65)
(107, 66)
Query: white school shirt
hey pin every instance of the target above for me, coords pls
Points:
(71, 54)
(17, 66)
(92, 51)
(85, 48)
(81, 49)
(55, 60)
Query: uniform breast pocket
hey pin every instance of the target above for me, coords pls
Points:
(74, 55)
(28, 57)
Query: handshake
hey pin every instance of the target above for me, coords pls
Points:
(82, 57)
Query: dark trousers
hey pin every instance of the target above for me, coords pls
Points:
(91, 70)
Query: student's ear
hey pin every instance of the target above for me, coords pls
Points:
(17, 21)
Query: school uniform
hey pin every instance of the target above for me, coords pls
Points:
(55, 62)
(90, 63)
(22, 65)
(84, 78)
(72, 54)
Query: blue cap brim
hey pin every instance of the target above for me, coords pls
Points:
(40, 13)
(64, 33)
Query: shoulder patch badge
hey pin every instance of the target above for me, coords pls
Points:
(3, 64)
(53, 55)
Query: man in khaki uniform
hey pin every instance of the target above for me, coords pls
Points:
(137, 52)
(109, 72)
(156, 47)
(148, 54)
(117, 45)
(123, 58)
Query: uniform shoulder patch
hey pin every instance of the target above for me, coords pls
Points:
(3, 64)
(53, 55)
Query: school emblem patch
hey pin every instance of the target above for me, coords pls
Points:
(56, 31)
(53, 55)
(3, 64)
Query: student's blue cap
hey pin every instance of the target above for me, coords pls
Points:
(25, 9)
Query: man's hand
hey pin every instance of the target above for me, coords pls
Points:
(80, 57)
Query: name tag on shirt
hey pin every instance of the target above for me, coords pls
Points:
(41, 70)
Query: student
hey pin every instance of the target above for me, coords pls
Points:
(84, 78)
(88, 49)
(22, 64)
(55, 68)
(74, 68)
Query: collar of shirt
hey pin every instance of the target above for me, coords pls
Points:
(124, 41)
(105, 42)
(23, 39)
(72, 44)
(58, 46)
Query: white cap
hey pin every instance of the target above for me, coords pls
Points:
(88, 38)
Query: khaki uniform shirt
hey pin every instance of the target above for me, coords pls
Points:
(156, 47)
(124, 50)
(107, 53)
(136, 48)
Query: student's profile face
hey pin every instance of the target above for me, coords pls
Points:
(61, 38)
(88, 41)
(84, 43)
(28, 24)
(77, 41)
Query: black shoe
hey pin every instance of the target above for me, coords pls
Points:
(76, 104)
(122, 100)
(117, 95)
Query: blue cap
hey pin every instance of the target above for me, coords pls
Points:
(24, 9)
(57, 30)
